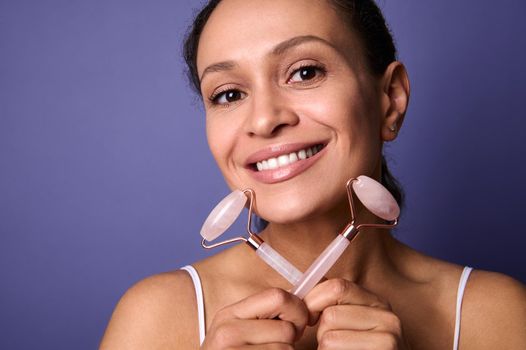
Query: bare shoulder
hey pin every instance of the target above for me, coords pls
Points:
(494, 312)
(158, 312)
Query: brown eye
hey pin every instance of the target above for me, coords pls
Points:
(226, 97)
(305, 73)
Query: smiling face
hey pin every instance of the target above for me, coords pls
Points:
(291, 110)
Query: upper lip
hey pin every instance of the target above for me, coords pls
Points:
(276, 150)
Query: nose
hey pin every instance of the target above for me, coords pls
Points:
(269, 114)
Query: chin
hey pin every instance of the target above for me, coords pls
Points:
(293, 209)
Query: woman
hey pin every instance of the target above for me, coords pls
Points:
(279, 78)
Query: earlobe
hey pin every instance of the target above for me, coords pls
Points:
(395, 90)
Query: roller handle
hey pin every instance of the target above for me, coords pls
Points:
(320, 266)
(279, 263)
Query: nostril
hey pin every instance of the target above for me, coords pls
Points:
(267, 130)
(278, 128)
(269, 117)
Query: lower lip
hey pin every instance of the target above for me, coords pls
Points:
(286, 172)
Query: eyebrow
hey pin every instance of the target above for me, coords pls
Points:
(281, 48)
(278, 50)
(219, 67)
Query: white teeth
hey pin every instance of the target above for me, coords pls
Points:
(283, 160)
(286, 159)
(272, 163)
(293, 158)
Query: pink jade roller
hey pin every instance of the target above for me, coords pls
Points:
(376, 199)
(224, 215)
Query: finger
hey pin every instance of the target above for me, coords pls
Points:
(273, 346)
(269, 304)
(358, 318)
(349, 340)
(251, 332)
(340, 291)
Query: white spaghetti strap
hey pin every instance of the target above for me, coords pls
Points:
(199, 297)
(460, 295)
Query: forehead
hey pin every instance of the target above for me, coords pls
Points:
(241, 29)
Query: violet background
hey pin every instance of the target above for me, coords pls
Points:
(105, 174)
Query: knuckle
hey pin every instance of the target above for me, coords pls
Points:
(393, 323)
(224, 334)
(328, 340)
(278, 296)
(288, 332)
(339, 286)
(328, 316)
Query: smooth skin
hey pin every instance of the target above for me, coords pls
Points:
(295, 72)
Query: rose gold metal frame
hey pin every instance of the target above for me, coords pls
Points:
(350, 230)
(253, 239)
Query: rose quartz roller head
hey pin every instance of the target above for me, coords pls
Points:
(376, 199)
(224, 215)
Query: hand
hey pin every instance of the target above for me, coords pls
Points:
(351, 317)
(271, 319)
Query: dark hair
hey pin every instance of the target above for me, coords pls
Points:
(363, 16)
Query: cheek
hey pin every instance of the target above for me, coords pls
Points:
(219, 140)
(350, 115)
(342, 109)
(222, 140)
(320, 106)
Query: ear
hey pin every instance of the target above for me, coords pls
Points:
(395, 99)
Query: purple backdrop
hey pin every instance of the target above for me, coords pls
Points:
(105, 175)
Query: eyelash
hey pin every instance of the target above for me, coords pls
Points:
(217, 94)
(318, 67)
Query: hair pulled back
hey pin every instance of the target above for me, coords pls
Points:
(363, 16)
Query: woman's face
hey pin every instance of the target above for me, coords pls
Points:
(281, 80)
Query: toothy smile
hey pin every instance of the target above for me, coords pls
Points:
(287, 158)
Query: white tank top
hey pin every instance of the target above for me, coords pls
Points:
(201, 308)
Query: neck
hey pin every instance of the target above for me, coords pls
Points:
(302, 242)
